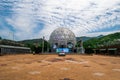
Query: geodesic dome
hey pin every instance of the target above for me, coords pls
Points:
(62, 37)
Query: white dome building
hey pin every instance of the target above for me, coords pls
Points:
(62, 38)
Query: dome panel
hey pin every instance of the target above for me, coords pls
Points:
(62, 36)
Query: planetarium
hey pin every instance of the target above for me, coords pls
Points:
(62, 38)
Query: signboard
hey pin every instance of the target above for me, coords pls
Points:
(58, 50)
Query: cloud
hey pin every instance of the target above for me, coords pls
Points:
(83, 17)
(6, 33)
(22, 21)
(94, 34)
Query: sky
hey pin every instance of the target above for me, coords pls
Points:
(30, 19)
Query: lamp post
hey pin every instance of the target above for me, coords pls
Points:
(43, 45)
(48, 46)
(12, 35)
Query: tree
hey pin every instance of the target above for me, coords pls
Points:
(0, 37)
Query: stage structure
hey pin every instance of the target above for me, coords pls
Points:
(62, 38)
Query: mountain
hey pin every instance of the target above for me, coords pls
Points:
(85, 38)
(107, 40)
(10, 42)
(31, 41)
(100, 36)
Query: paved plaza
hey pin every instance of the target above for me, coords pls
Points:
(54, 67)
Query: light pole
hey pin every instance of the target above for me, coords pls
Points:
(48, 46)
(12, 35)
(43, 45)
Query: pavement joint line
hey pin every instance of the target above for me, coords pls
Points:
(98, 74)
(34, 72)
(116, 70)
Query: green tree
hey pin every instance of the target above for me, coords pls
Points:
(102, 41)
(0, 37)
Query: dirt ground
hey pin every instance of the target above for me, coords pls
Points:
(53, 67)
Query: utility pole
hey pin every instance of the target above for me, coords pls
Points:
(43, 45)
(48, 46)
(11, 34)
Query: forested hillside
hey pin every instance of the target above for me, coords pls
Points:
(107, 40)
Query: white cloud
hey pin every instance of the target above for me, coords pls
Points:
(84, 13)
(22, 21)
(81, 16)
(99, 33)
(6, 33)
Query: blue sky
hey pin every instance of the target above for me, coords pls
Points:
(28, 19)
